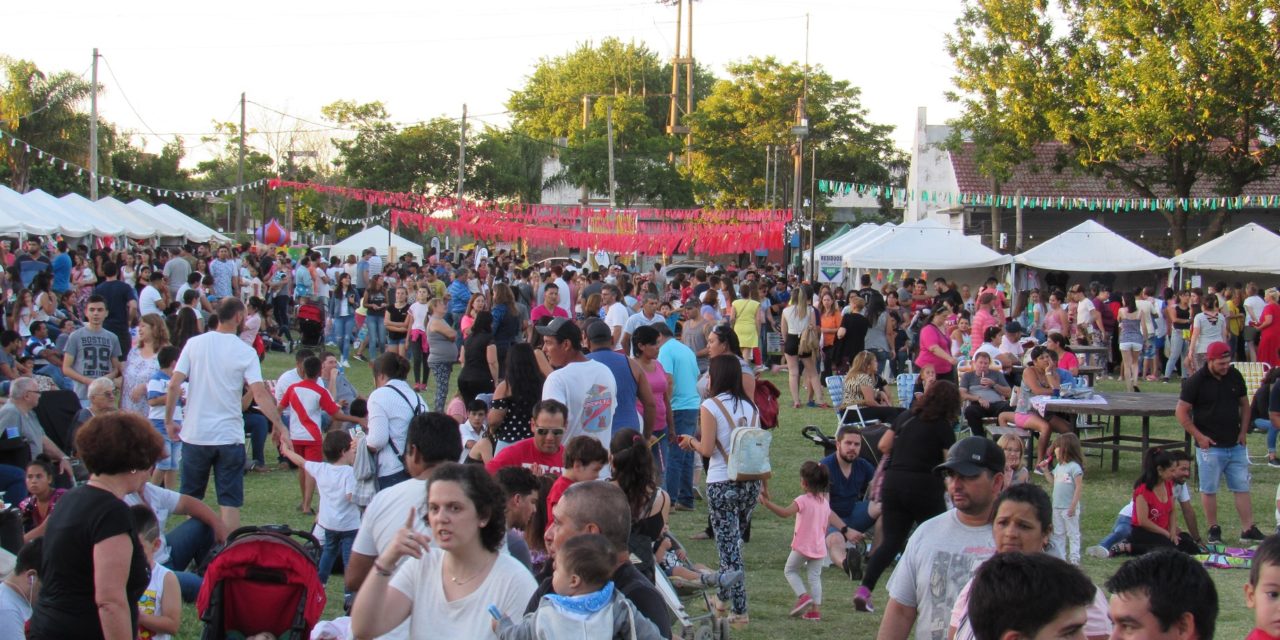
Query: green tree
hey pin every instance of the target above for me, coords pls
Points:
(508, 166)
(163, 170)
(631, 80)
(756, 107)
(1156, 96)
(422, 158)
(44, 110)
(223, 169)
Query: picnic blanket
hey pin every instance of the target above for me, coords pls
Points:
(1224, 557)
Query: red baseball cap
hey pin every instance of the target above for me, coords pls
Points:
(1218, 350)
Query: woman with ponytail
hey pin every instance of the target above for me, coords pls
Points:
(1155, 525)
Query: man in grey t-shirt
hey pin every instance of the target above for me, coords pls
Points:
(986, 391)
(92, 352)
(945, 550)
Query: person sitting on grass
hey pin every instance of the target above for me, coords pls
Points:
(160, 607)
(584, 598)
(307, 401)
(339, 516)
(584, 457)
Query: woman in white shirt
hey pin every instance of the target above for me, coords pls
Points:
(729, 503)
(795, 319)
(446, 590)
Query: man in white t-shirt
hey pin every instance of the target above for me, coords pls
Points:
(566, 293)
(648, 315)
(945, 550)
(375, 262)
(615, 312)
(1088, 320)
(150, 299)
(218, 364)
(585, 386)
(433, 439)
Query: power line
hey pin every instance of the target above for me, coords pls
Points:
(124, 95)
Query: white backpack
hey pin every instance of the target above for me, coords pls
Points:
(748, 455)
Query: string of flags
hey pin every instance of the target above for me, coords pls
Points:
(67, 165)
(1080, 203)
(329, 217)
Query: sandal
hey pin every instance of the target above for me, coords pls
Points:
(1120, 549)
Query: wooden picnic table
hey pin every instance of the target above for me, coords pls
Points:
(1120, 404)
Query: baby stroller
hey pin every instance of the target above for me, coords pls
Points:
(263, 580)
(311, 324)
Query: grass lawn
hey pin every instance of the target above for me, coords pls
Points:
(273, 498)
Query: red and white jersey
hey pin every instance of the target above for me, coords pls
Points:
(306, 402)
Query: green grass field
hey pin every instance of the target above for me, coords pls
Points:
(273, 498)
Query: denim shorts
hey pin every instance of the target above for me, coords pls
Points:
(227, 463)
(1215, 461)
(174, 460)
(395, 342)
(860, 519)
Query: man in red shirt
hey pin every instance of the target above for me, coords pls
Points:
(549, 307)
(543, 453)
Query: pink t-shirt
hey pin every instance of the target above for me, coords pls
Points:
(810, 539)
(1068, 361)
(931, 336)
(979, 323)
(658, 384)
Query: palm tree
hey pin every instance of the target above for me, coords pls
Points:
(46, 111)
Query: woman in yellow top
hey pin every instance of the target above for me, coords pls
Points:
(1234, 313)
(745, 312)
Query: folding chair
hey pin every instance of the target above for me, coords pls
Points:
(835, 389)
(1253, 373)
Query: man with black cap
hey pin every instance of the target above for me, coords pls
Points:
(585, 386)
(631, 383)
(943, 553)
(1213, 408)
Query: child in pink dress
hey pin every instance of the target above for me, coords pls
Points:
(808, 544)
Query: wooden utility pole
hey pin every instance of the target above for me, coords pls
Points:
(683, 59)
(613, 200)
(1017, 222)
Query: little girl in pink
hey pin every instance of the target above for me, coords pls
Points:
(808, 545)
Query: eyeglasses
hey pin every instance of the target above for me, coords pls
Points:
(554, 432)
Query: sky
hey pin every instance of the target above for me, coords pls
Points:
(176, 67)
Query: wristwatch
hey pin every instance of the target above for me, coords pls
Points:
(844, 531)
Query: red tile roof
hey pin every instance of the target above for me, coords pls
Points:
(1044, 176)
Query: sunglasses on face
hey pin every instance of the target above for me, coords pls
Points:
(554, 432)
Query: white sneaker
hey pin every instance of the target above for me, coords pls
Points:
(1097, 551)
(344, 364)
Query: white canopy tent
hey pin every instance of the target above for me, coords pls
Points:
(192, 229)
(53, 215)
(377, 237)
(130, 226)
(17, 216)
(1249, 249)
(159, 225)
(1091, 247)
(927, 245)
(831, 245)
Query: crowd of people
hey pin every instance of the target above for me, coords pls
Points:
(510, 498)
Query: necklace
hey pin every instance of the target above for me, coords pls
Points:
(455, 580)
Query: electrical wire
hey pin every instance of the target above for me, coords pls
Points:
(129, 102)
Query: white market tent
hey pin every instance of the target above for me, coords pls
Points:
(1249, 249)
(1090, 247)
(17, 216)
(192, 229)
(49, 216)
(826, 246)
(159, 226)
(130, 225)
(926, 245)
(377, 237)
